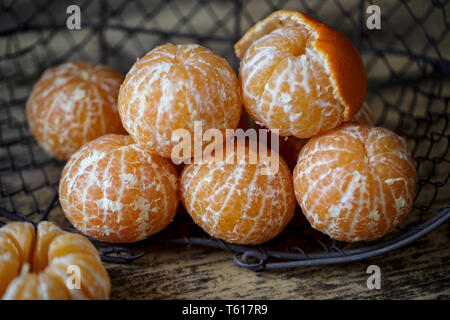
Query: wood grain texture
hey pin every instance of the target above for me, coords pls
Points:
(418, 271)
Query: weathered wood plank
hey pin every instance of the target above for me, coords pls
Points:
(419, 271)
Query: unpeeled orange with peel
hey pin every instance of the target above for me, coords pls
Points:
(36, 267)
(72, 104)
(356, 182)
(114, 191)
(298, 75)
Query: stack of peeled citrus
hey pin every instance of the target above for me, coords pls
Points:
(298, 77)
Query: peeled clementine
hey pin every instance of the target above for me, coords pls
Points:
(40, 268)
(114, 191)
(355, 182)
(298, 75)
(171, 87)
(236, 201)
(72, 104)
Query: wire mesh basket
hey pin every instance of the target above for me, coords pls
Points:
(408, 69)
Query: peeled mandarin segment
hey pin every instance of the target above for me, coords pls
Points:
(94, 279)
(24, 287)
(31, 286)
(72, 104)
(299, 75)
(114, 191)
(236, 202)
(46, 232)
(10, 258)
(9, 268)
(22, 234)
(355, 183)
(16, 244)
(171, 87)
(58, 272)
(50, 288)
(56, 255)
(71, 243)
(9, 245)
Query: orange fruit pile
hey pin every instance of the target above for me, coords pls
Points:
(289, 147)
(114, 191)
(72, 104)
(298, 75)
(40, 266)
(235, 200)
(355, 182)
(171, 87)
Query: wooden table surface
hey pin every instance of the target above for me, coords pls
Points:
(419, 271)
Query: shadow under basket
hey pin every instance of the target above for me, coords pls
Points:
(408, 71)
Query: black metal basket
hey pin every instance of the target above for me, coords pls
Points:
(407, 63)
